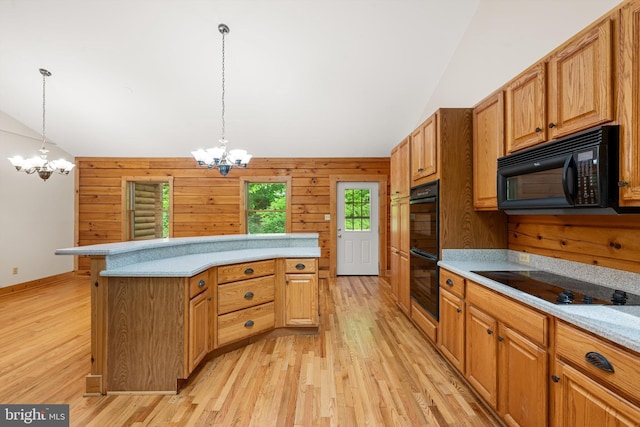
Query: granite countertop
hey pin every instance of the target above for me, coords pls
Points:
(188, 256)
(620, 324)
(190, 265)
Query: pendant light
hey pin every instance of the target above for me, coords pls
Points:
(219, 157)
(41, 164)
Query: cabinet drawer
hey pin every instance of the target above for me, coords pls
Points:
(246, 270)
(525, 320)
(302, 265)
(244, 323)
(452, 282)
(575, 346)
(246, 293)
(198, 283)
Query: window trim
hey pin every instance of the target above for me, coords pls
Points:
(257, 180)
(123, 197)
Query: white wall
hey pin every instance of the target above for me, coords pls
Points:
(504, 38)
(36, 217)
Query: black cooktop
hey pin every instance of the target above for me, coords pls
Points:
(560, 289)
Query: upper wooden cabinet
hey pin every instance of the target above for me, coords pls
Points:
(526, 109)
(424, 151)
(579, 78)
(581, 81)
(629, 103)
(488, 146)
(400, 162)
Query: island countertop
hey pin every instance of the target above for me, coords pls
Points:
(188, 256)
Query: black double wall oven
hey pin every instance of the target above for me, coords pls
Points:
(424, 253)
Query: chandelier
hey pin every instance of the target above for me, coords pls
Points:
(219, 157)
(40, 164)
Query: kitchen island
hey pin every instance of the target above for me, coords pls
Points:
(160, 307)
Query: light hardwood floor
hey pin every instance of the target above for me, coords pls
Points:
(368, 366)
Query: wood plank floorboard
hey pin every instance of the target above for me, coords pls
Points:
(367, 366)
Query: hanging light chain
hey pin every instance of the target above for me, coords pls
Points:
(222, 137)
(45, 74)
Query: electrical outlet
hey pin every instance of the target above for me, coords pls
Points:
(14, 270)
(524, 258)
(327, 217)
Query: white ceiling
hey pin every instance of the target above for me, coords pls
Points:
(305, 78)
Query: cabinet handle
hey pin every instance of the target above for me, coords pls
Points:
(599, 361)
(489, 331)
(459, 310)
(248, 295)
(552, 125)
(248, 323)
(500, 338)
(622, 183)
(201, 283)
(248, 271)
(420, 169)
(449, 282)
(538, 130)
(555, 378)
(300, 266)
(209, 299)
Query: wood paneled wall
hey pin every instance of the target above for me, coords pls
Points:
(605, 240)
(204, 202)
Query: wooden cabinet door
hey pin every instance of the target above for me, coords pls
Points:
(629, 103)
(526, 114)
(417, 154)
(404, 224)
(424, 151)
(581, 82)
(488, 146)
(482, 354)
(200, 310)
(580, 401)
(404, 292)
(394, 263)
(522, 385)
(451, 325)
(400, 172)
(301, 300)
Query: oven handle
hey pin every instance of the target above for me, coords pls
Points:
(422, 254)
(569, 173)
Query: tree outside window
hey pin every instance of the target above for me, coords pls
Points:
(357, 208)
(267, 208)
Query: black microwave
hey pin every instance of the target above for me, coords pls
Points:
(577, 174)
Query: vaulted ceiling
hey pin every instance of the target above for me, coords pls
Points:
(305, 78)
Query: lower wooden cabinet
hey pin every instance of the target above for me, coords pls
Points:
(581, 401)
(506, 356)
(451, 337)
(301, 293)
(594, 382)
(200, 312)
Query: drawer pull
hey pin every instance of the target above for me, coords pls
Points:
(489, 331)
(599, 361)
(449, 282)
(201, 283)
(555, 378)
(248, 295)
(248, 323)
(300, 266)
(248, 271)
(459, 310)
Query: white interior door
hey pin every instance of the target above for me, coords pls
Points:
(357, 229)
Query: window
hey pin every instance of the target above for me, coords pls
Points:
(266, 205)
(357, 209)
(147, 208)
